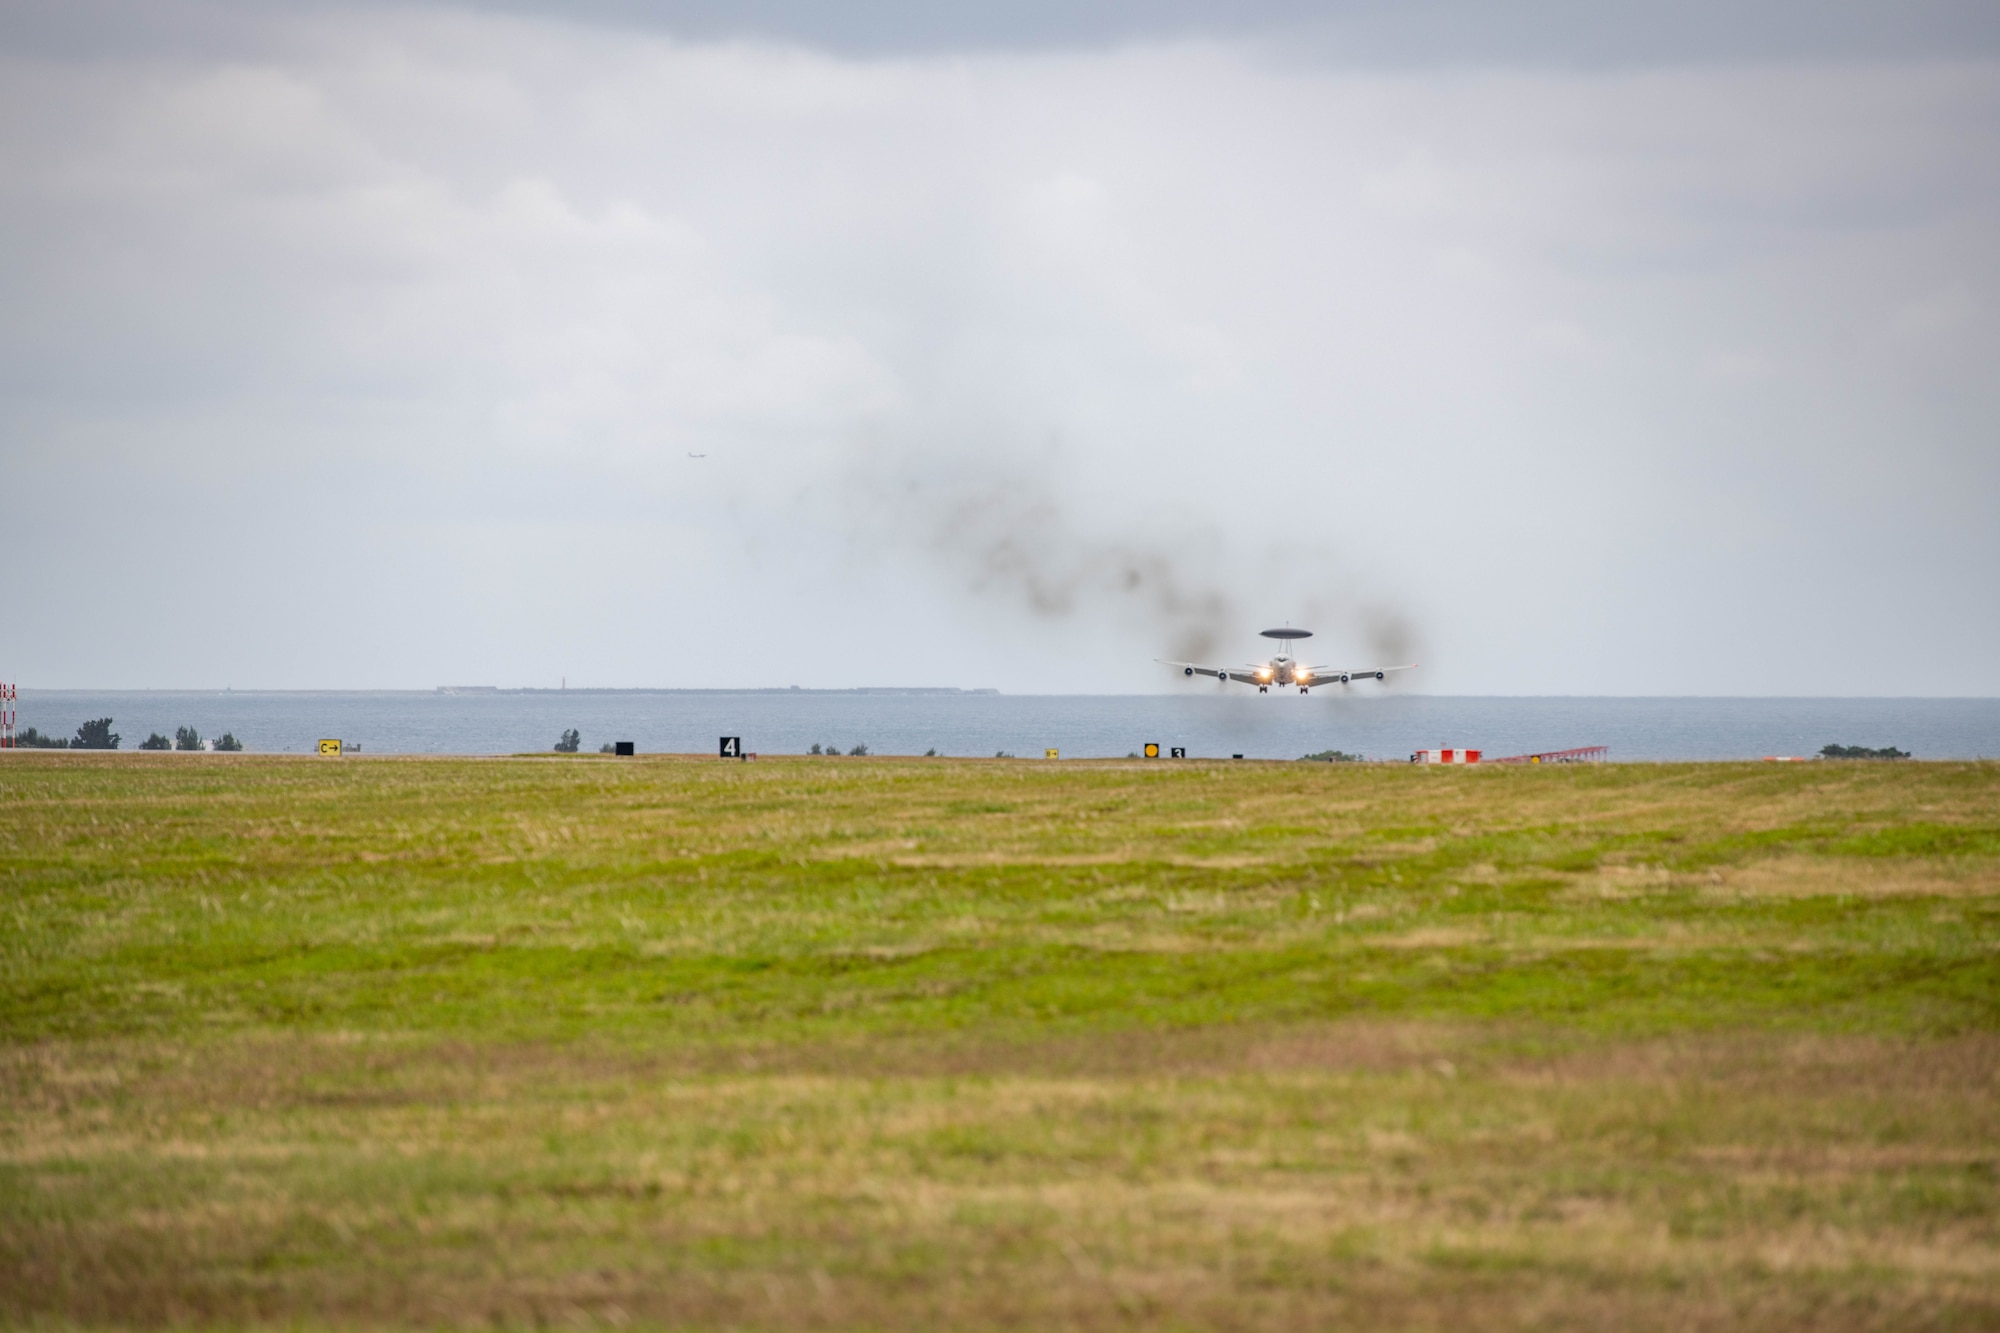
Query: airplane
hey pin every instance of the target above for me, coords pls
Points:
(1284, 669)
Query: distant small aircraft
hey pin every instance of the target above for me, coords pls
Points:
(1283, 669)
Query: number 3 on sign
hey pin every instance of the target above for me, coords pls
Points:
(329, 747)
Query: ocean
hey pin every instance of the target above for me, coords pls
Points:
(1205, 723)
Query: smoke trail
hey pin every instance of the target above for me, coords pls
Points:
(1002, 532)
(1388, 636)
(1005, 536)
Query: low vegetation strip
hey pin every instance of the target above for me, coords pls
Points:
(937, 1043)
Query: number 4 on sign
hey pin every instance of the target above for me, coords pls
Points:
(732, 747)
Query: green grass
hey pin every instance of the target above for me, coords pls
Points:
(927, 1043)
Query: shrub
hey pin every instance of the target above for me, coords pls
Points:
(35, 740)
(931, 753)
(1861, 752)
(815, 748)
(859, 749)
(607, 748)
(187, 738)
(227, 741)
(1333, 757)
(156, 742)
(95, 734)
(571, 742)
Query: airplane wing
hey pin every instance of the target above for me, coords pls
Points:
(1342, 675)
(1245, 674)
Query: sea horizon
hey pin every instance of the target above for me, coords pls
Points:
(976, 722)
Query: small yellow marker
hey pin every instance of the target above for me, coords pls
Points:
(1152, 749)
(1051, 754)
(329, 747)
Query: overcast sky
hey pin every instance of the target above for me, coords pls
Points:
(1588, 351)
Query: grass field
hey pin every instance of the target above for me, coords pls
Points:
(898, 1043)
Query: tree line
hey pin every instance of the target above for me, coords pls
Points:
(97, 734)
(572, 741)
(187, 738)
(1861, 752)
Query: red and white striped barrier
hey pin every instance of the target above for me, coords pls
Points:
(1445, 757)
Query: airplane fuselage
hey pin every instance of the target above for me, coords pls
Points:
(1280, 670)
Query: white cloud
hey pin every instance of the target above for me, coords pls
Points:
(1588, 374)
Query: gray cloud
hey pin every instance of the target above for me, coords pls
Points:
(1360, 33)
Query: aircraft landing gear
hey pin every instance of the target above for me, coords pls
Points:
(1263, 689)
(1304, 688)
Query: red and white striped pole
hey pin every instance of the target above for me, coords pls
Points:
(6, 716)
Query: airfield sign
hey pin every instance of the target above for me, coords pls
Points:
(1152, 749)
(732, 747)
(329, 747)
